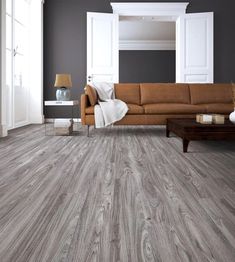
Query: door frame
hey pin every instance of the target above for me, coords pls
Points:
(3, 108)
(167, 12)
(172, 12)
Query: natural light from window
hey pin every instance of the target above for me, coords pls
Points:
(17, 61)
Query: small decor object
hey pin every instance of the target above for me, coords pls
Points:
(204, 119)
(63, 127)
(232, 115)
(218, 119)
(198, 118)
(63, 82)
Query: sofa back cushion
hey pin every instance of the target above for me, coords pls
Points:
(92, 94)
(128, 93)
(210, 93)
(164, 93)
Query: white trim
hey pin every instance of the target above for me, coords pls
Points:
(3, 108)
(151, 9)
(146, 45)
(3, 131)
(42, 1)
(36, 58)
(38, 120)
(19, 124)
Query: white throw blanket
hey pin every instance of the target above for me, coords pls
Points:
(109, 110)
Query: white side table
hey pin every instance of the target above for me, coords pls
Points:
(72, 104)
(61, 103)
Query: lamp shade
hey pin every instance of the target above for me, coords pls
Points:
(63, 80)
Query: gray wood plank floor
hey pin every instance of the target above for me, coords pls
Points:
(124, 194)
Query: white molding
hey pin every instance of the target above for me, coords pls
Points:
(42, 1)
(36, 61)
(149, 9)
(38, 120)
(3, 105)
(3, 130)
(146, 45)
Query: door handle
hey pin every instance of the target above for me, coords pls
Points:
(15, 51)
(89, 78)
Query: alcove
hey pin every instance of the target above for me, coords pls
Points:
(146, 49)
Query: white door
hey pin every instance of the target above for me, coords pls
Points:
(102, 47)
(194, 48)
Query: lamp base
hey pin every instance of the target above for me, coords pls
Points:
(63, 94)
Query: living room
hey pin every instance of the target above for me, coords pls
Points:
(154, 183)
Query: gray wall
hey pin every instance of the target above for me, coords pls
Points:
(65, 44)
(147, 66)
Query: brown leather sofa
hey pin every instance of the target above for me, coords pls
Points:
(153, 103)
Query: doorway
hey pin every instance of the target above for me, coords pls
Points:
(193, 44)
(146, 49)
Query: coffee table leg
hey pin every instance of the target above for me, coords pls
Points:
(185, 145)
(167, 133)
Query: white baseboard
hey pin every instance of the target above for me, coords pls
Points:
(37, 120)
(3, 131)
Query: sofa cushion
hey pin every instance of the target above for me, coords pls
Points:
(210, 93)
(219, 108)
(129, 93)
(92, 94)
(164, 93)
(135, 109)
(173, 109)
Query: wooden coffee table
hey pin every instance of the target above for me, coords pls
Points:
(189, 129)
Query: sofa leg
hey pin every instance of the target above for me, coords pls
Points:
(88, 131)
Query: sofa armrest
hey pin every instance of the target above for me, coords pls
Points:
(84, 105)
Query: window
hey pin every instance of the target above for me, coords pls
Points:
(17, 61)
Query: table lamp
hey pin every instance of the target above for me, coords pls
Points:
(63, 82)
